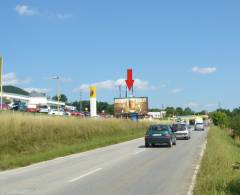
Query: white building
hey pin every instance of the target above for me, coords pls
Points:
(157, 115)
(37, 99)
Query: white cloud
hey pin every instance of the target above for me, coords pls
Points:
(25, 10)
(176, 90)
(63, 16)
(11, 79)
(66, 79)
(39, 90)
(192, 104)
(211, 105)
(111, 85)
(204, 70)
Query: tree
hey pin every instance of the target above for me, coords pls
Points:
(179, 111)
(170, 111)
(220, 118)
(108, 108)
(188, 111)
(154, 110)
(62, 98)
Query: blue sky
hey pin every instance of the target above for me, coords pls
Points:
(183, 53)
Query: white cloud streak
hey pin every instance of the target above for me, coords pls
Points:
(176, 90)
(39, 90)
(211, 105)
(25, 10)
(192, 104)
(63, 16)
(204, 70)
(113, 84)
(11, 79)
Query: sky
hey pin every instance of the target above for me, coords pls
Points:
(183, 53)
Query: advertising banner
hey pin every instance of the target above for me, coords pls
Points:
(131, 105)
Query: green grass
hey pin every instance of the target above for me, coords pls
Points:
(27, 139)
(216, 175)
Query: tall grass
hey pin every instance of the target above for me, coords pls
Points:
(217, 175)
(25, 138)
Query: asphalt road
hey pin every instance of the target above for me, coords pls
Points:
(127, 169)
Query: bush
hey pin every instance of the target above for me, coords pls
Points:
(235, 124)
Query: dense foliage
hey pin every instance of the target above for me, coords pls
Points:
(227, 118)
(171, 111)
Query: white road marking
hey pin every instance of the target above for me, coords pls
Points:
(194, 178)
(138, 152)
(84, 175)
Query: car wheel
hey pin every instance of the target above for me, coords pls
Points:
(146, 144)
(152, 145)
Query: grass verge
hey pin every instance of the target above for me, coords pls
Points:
(216, 174)
(27, 139)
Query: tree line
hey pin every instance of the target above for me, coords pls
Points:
(227, 119)
(109, 108)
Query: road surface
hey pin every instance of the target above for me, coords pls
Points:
(127, 169)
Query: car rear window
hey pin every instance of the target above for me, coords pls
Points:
(159, 129)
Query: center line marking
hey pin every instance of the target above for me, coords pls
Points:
(84, 175)
(138, 152)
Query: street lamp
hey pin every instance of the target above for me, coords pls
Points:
(57, 78)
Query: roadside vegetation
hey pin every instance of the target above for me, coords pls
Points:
(220, 168)
(26, 138)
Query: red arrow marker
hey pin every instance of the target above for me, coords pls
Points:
(129, 81)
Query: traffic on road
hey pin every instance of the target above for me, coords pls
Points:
(126, 168)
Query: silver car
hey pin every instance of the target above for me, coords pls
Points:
(199, 127)
(182, 131)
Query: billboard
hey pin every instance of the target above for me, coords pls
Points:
(131, 105)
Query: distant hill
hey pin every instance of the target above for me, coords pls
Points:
(13, 89)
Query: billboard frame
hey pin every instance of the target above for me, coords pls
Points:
(127, 114)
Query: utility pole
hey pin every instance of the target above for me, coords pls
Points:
(57, 78)
(219, 105)
(80, 102)
(120, 91)
(1, 80)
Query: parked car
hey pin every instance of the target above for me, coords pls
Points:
(182, 131)
(199, 127)
(32, 108)
(56, 112)
(74, 113)
(160, 134)
(43, 109)
(5, 107)
(19, 106)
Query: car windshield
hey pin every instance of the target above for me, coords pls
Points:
(179, 127)
(199, 123)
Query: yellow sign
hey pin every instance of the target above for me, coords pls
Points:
(93, 93)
